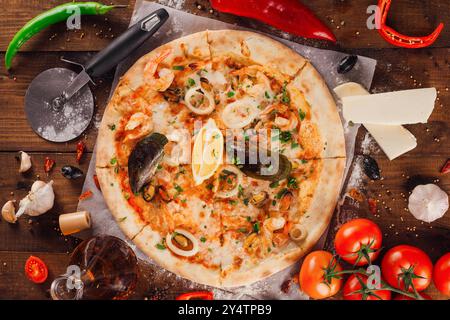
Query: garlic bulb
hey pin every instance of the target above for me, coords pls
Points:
(9, 212)
(38, 201)
(428, 203)
(25, 162)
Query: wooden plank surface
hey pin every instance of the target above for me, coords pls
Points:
(397, 69)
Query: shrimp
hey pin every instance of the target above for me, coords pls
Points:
(280, 116)
(159, 80)
(138, 126)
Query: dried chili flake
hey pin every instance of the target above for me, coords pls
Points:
(48, 164)
(81, 147)
(85, 195)
(372, 206)
(97, 184)
(446, 168)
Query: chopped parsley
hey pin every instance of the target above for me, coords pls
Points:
(230, 94)
(112, 127)
(292, 183)
(242, 230)
(281, 193)
(267, 95)
(113, 161)
(233, 202)
(285, 136)
(241, 191)
(160, 246)
(178, 188)
(191, 82)
(246, 201)
(274, 184)
(256, 227)
(210, 186)
(122, 219)
(285, 97)
(294, 145)
(203, 239)
(301, 114)
(179, 68)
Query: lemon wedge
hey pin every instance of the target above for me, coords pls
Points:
(207, 154)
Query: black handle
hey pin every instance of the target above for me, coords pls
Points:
(126, 43)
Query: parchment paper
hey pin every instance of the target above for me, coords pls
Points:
(181, 24)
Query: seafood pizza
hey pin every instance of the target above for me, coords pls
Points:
(221, 155)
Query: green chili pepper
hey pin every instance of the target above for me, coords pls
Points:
(52, 16)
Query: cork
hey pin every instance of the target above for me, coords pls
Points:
(71, 223)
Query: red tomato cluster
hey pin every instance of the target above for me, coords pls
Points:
(406, 270)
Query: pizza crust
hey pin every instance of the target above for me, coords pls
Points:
(323, 111)
(256, 48)
(127, 219)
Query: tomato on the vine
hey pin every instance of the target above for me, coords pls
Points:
(441, 274)
(319, 275)
(36, 270)
(407, 268)
(356, 288)
(358, 242)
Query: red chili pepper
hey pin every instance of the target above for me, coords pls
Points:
(372, 206)
(85, 195)
(446, 167)
(48, 164)
(199, 295)
(97, 184)
(401, 40)
(288, 15)
(81, 147)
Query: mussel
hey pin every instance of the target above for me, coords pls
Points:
(144, 160)
(274, 166)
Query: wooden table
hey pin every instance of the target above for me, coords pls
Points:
(397, 69)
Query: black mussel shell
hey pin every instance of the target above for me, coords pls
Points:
(347, 64)
(71, 172)
(260, 170)
(371, 168)
(144, 160)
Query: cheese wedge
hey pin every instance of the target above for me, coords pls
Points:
(394, 140)
(391, 108)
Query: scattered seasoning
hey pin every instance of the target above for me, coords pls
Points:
(113, 161)
(179, 68)
(203, 239)
(191, 82)
(96, 182)
(85, 195)
(178, 188)
(274, 184)
(81, 147)
(285, 97)
(48, 164)
(301, 114)
(347, 64)
(292, 183)
(112, 127)
(230, 94)
(285, 136)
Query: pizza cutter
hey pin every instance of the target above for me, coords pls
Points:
(59, 104)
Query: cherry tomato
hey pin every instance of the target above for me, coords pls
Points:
(441, 274)
(199, 295)
(356, 289)
(358, 242)
(402, 297)
(36, 270)
(318, 278)
(407, 268)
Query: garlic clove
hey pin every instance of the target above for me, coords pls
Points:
(9, 212)
(39, 201)
(37, 185)
(25, 162)
(428, 203)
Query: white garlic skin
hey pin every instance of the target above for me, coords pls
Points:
(428, 203)
(25, 162)
(9, 212)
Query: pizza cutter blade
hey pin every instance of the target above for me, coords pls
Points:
(59, 105)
